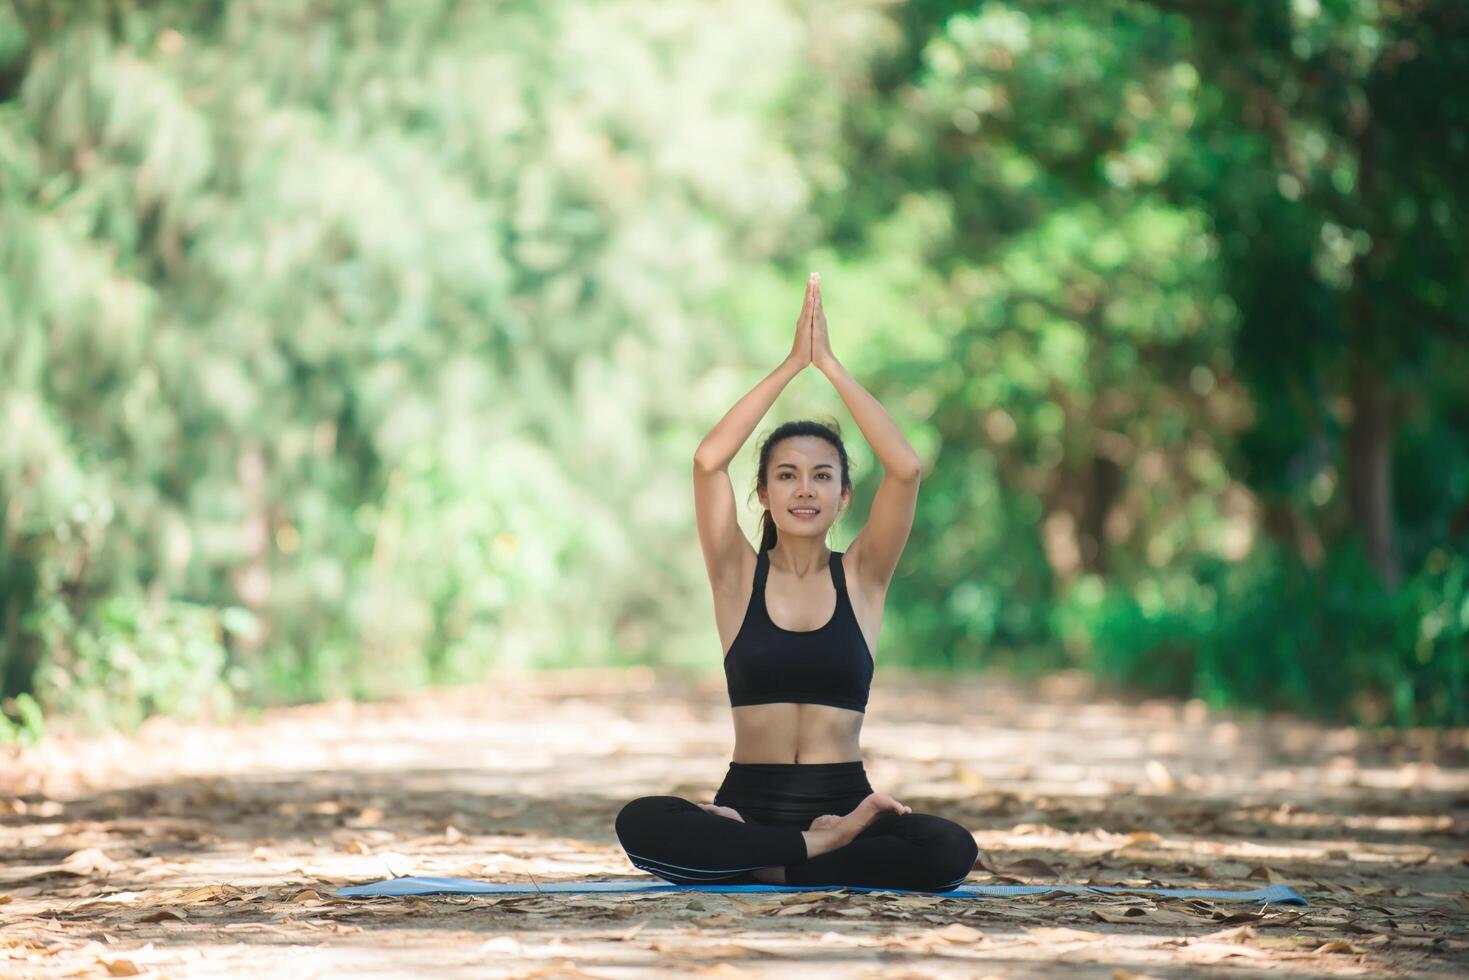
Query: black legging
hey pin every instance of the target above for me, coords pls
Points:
(674, 839)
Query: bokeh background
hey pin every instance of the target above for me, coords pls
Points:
(351, 347)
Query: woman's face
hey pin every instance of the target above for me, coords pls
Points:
(804, 474)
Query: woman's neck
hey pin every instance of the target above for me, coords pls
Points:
(801, 557)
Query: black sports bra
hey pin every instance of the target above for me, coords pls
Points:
(828, 665)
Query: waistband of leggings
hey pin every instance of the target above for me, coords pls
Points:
(799, 768)
(792, 793)
(795, 780)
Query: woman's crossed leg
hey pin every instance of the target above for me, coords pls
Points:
(880, 844)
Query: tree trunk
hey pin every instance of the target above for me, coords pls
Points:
(1104, 485)
(1369, 469)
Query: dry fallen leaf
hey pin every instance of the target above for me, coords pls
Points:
(958, 933)
(87, 861)
(369, 817)
(1207, 952)
(970, 778)
(798, 908)
(718, 951)
(1160, 777)
(1056, 934)
(1139, 839)
(1033, 867)
(397, 865)
(718, 919)
(212, 893)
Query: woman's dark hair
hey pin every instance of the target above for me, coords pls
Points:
(801, 427)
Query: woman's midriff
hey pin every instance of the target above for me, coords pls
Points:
(786, 733)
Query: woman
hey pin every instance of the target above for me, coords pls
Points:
(798, 622)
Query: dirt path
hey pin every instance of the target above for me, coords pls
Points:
(195, 851)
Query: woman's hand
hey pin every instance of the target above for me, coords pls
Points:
(821, 354)
(800, 354)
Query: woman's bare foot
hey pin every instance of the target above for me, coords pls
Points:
(836, 832)
(723, 811)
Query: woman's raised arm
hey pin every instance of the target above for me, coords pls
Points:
(726, 552)
(878, 546)
(723, 442)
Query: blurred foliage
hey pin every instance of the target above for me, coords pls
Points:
(328, 335)
(1198, 270)
(348, 348)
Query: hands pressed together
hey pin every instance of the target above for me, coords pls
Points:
(812, 344)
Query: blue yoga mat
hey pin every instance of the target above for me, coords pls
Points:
(1277, 894)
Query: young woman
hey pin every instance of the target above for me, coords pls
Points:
(799, 623)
